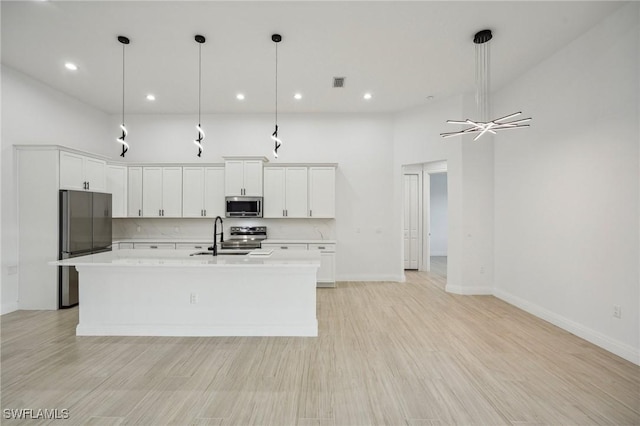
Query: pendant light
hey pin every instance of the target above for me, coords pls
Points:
(121, 140)
(483, 126)
(198, 141)
(276, 38)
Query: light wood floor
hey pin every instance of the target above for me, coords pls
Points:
(388, 353)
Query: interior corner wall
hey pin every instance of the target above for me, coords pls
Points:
(33, 113)
(567, 189)
(361, 144)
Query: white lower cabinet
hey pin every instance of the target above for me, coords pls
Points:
(193, 246)
(160, 246)
(294, 246)
(327, 270)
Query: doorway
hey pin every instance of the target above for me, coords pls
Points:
(425, 224)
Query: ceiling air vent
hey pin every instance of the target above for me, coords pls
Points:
(338, 81)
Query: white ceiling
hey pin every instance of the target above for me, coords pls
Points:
(401, 52)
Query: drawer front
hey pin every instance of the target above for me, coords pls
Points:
(295, 246)
(160, 246)
(330, 248)
(193, 246)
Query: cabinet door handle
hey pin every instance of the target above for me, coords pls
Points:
(159, 212)
(321, 248)
(205, 212)
(139, 212)
(198, 247)
(153, 247)
(162, 212)
(87, 185)
(284, 248)
(310, 213)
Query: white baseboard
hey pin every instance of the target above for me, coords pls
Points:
(371, 277)
(616, 347)
(8, 308)
(468, 291)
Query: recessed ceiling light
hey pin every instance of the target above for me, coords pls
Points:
(367, 96)
(298, 96)
(71, 66)
(151, 97)
(240, 97)
(430, 97)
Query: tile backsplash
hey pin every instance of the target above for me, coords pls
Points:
(309, 229)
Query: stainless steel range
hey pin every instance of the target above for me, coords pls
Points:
(243, 239)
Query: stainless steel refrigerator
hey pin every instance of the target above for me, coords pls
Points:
(85, 228)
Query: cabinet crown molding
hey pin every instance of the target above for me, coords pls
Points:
(245, 158)
(334, 165)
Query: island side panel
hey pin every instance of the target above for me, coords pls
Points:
(178, 301)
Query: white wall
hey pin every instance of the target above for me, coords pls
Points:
(567, 189)
(438, 210)
(33, 113)
(361, 144)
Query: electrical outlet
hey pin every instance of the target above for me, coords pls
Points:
(617, 311)
(194, 298)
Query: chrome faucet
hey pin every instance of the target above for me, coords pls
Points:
(215, 234)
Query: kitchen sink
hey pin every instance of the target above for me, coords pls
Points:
(208, 253)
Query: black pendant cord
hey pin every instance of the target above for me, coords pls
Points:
(199, 97)
(198, 141)
(278, 143)
(125, 147)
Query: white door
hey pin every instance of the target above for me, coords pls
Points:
(274, 196)
(214, 192)
(95, 173)
(234, 177)
(253, 178)
(296, 190)
(192, 192)
(411, 225)
(117, 187)
(171, 191)
(134, 191)
(322, 192)
(71, 171)
(152, 191)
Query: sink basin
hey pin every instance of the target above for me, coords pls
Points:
(208, 253)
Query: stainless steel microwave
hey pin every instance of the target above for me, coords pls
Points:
(243, 206)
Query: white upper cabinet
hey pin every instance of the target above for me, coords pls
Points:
(117, 187)
(162, 191)
(322, 192)
(193, 191)
(285, 192)
(134, 191)
(82, 173)
(203, 191)
(296, 191)
(214, 204)
(243, 177)
(274, 196)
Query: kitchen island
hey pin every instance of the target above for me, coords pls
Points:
(173, 293)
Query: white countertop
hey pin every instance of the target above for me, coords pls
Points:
(180, 258)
